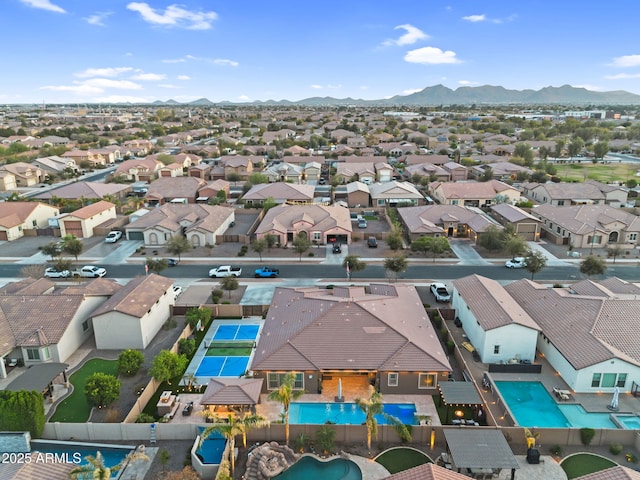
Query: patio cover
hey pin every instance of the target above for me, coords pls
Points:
(459, 393)
(232, 391)
(473, 447)
(37, 377)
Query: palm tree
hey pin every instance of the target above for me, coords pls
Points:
(373, 406)
(229, 431)
(95, 469)
(249, 421)
(285, 394)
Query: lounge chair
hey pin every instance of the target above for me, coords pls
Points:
(562, 394)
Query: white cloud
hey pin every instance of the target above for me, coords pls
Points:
(174, 16)
(223, 62)
(77, 89)
(149, 77)
(317, 87)
(593, 88)
(109, 83)
(626, 61)
(412, 35)
(174, 60)
(622, 76)
(168, 85)
(98, 18)
(44, 5)
(411, 90)
(244, 98)
(102, 72)
(184, 77)
(431, 56)
(475, 18)
(328, 87)
(466, 82)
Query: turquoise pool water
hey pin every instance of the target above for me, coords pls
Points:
(533, 406)
(210, 452)
(347, 413)
(74, 453)
(308, 468)
(630, 422)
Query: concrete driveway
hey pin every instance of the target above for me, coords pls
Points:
(466, 253)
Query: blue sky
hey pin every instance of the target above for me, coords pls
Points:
(71, 51)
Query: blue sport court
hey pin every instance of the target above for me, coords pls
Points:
(236, 332)
(222, 366)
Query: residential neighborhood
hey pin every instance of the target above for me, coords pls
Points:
(418, 280)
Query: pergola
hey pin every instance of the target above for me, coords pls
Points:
(480, 450)
(459, 394)
(39, 377)
(225, 393)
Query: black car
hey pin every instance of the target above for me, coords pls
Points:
(337, 248)
(372, 242)
(172, 262)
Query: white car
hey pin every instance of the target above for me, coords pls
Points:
(113, 237)
(177, 290)
(517, 262)
(53, 273)
(441, 293)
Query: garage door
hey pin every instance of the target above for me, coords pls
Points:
(135, 235)
(337, 238)
(73, 228)
(3, 235)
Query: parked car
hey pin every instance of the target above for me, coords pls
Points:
(337, 248)
(322, 181)
(172, 262)
(89, 271)
(113, 237)
(51, 272)
(372, 242)
(517, 262)
(225, 271)
(266, 272)
(177, 290)
(441, 293)
(362, 223)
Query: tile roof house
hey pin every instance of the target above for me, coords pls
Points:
(472, 194)
(133, 316)
(395, 193)
(44, 326)
(322, 224)
(525, 225)
(168, 189)
(497, 326)
(443, 220)
(241, 165)
(586, 226)
(280, 192)
(364, 172)
(499, 170)
(427, 471)
(55, 165)
(26, 174)
(83, 221)
(385, 337)
(589, 339)
(211, 189)
(138, 169)
(7, 181)
(619, 472)
(16, 217)
(85, 190)
(565, 194)
(284, 172)
(201, 224)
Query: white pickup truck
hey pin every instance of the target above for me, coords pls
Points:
(89, 271)
(225, 271)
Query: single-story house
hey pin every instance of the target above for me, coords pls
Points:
(564, 194)
(82, 222)
(497, 326)
(443, 220)
(86, 191)
(357, 195)
(377, 334)
(394, 193)
(174, 189)
(133, 316)
(525, 225)
(138, 170)
(280, 192)
(284, 172)
(473, 194)
(321, 224)
(16, 217)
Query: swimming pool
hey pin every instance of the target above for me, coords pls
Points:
(533, 406)
(628, 422)
(311, 469)
(347, 413)
(75, 453)
(210, 452)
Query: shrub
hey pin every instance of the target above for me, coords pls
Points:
(631, 457)
(586, 435)
(615, 448)
(450, 346)
(145, 418)
(311, 254)
(556, 450)
(129, 362)
(102, 389)
(186, 346)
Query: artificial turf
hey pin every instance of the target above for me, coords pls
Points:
(228, 352)
(75, 408)
(401, 459)
(583, 463)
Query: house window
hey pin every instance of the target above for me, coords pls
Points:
(454, 202)
(427, 380)
(560, 203)
(317, 236)
(608, 380)
(392, 380)
(34, 223)
(274, 380)
(622, 380)
(33, 353)
(47, 354)
(595, 380)
(558, 229)
(633, 237)
(381, 202)
(496, 349)
(594, 239)
(85, 325)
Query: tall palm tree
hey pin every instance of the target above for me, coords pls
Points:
(249, 421)
(95, 469)
(285, 394)
(373, 406)
(229, 431)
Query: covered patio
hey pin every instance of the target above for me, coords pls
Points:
(458, 397)
(481, 453)
(40, 377)
(230, 396)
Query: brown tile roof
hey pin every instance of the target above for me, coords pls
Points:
(93, 287)
(175, 187)
(381, 327)
(169, 216)
(571, 191)
(232, 391)
(471, 190)
(428, 471)
(431, 218)
(93, 209)
(512, 213)
(319, 217)
(88, 190)
(490, 304)
(137, 297)
(37, 470)
(583, 219)
(28, 286)
(618, 472)
(619, 286)
(13, 214)
(280, 191)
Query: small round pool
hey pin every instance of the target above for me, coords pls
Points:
(311, 469)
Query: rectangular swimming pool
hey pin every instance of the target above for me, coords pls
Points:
(347, 413)
(533, 406)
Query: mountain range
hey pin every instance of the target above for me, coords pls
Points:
(441, 95)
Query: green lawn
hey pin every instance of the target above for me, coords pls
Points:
(602, 172)
(584, 463)
(229, 352)
(75, 408)
(401, 459)
(442, 411)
